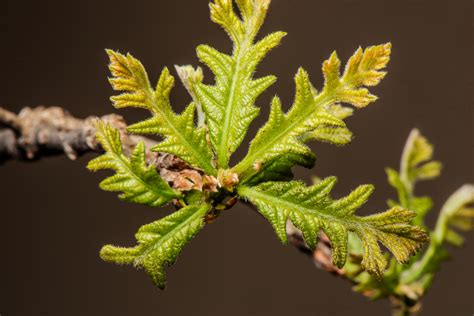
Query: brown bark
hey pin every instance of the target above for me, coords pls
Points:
(40, 132)
(46, 131)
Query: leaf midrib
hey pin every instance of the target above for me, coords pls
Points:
(355, 225)
(177, 228)
(223, 152)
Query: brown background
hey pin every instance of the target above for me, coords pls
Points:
(54, 219)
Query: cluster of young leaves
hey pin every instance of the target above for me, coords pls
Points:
(225, 110)
(416, 165)
(409, 283)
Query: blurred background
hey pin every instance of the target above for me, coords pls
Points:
(54, 219)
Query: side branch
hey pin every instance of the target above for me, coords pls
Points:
(42, 131)
(48, 131)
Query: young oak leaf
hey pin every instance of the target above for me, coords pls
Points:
(281, 135)
(416, 164)
(456, 213)
(229, 103)
(362, 69)
(317, 116)
(160, 242)
(311, 209)
(414, 279)
(181, 137)
(139, 182)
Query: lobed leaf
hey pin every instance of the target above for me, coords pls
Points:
(181, 137)
(160, 242)
(139, 182)
(311, 209)
(229, 104)
(416, 160)
(416, 164)
(316, 115)
(225, 110)
(362, 69)
(456, 213)
(282, 134)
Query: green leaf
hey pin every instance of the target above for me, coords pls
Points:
(421, 205)
(311, 209)
(160, 242)
(317, 116)
(416, 161)
(427, 171)
(213, 126)
(416, 164)
(281, 134)
(394, 180)
(181, 137)
(330, 134)
(456, 212)
(362, 69)
(139, 182)
(229, 104)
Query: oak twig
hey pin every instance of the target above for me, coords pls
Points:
(42, 131)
